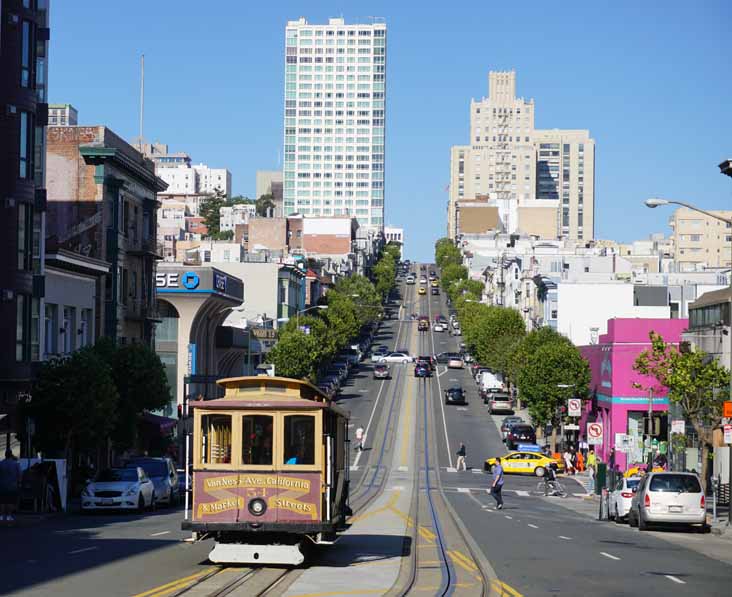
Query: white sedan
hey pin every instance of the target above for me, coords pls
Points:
(396, 357)
(438, 327)
(119, 488)
(621, 498)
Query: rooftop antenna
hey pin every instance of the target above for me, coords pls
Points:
(141, 139)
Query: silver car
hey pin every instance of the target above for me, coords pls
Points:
(670, 498)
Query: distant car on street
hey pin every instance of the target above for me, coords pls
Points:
(434, 291)
(520, 434)
(426, 360)
(422, 290)
(119, 489)
(455, 362)
(396, 357)
(532, 463)
(438, 327)
(381, 372)
(422, 370)
(455, 395)
(444, 357)
(377, 354)
(499, 402)
(509, 422)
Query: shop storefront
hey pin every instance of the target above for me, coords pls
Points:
(621, 399)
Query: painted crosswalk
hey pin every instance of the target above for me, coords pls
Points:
(518, 492)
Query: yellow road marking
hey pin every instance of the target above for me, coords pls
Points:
(169, 587)
(505, 589)
(458, 556)
(332, 593)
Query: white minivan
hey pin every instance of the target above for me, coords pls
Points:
(491, 382)
(670, 498)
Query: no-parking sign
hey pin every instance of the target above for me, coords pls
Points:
(594, 433)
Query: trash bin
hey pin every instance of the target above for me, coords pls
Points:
(600, 477)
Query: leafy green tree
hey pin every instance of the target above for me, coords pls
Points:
(210, 211)
(241, 200)
(142, 385)
(495, 331)
(552, 365)
(446, 253)
(529, 344)
(695, 381)
(472, 289)
(318, 328)
(295, 355)
(384, 273)
(265, 205)
(342, 317)
(364, 299)
(452, 273)
(74, 404)
(394, 249)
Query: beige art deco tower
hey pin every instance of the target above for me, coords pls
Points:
(540, 182)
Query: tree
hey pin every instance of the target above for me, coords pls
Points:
(446, 253)
(295, 355)
(210, 211)
(495, 331)
(384, 272)
(394, 249)
(365, 300)
(529, 345)
(74, 404)
(695, 381)
(142, 385)
(265, 204)
(472, 289)
(452, 273)
(552, 365)
(341, 317)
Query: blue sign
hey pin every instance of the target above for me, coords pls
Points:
(191, 359)
(219, 282)
(528, 448)
(190, 280)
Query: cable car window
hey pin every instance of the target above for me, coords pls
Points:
(299, 439)
(215, 439)
(256, 443)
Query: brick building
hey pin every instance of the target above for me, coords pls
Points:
(102, 203)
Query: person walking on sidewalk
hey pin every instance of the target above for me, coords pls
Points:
(461, 453)
(591, 458)
(497, 484)
(9, 486)
(360, 438)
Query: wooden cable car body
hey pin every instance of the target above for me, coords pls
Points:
(270, 469)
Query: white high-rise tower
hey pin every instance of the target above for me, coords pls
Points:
(335, 94)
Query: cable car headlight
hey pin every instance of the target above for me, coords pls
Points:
(257, 507)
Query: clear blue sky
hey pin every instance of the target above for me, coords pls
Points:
(650, 80)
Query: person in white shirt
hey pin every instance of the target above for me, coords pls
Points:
(360, 437)
(568, 467)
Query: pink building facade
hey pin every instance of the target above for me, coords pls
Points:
(616, 403)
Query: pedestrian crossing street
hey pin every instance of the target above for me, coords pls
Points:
(517, 492)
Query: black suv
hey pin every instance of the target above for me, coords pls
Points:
(523, 434)
(455, 395)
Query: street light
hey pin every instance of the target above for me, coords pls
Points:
(297, 315)
(655, 203)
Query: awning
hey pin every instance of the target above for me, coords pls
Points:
(165, 424)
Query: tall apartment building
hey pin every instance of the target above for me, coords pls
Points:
(24, 35)
(335, 94)
(540, 181)
(700, 240)
(62, 115)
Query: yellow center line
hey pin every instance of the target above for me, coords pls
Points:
(169, 587)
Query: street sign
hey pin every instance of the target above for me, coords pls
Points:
(727, 434)
(528, 447)
(574, 407)
(678, 426)
(727, 409)
(594, 433)
(570, 427)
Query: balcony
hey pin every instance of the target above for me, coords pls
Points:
(145, 247)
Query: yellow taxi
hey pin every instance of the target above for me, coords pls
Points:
(435, 283)
(532, 463)
(422, 290)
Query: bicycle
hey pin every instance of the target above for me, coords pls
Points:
(551, 489)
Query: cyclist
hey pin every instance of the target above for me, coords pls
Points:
(550, 480)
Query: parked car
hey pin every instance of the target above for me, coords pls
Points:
(352, 355)
(509, 422)
(517, 434)
(456, 331)
(161, 471)
(396, 357)
(455, 362)
(499, 402)
(455, 395)
(621, 498)
(422, 370)
(670, 498)
(382, 372)
(119, 488)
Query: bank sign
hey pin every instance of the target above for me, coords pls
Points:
(200, 281)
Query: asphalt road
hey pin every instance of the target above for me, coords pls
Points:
(536, 545)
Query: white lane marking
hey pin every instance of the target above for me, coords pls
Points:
(354, 467)
(533, 526)
(476, 471)
(462, 408)
(509, 517)
(463, 490)
(82, 550)
(438, 372)
(454, 379)
(608, 555)
(451, 469)
(579, 494)
(439, 391)
(402, 469)
(566, 538)
(160, 533)
(676, 580)
(396, 488)
(522, 493)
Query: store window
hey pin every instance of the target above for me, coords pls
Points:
(299, 439)
(257, 436)
(215, 444)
